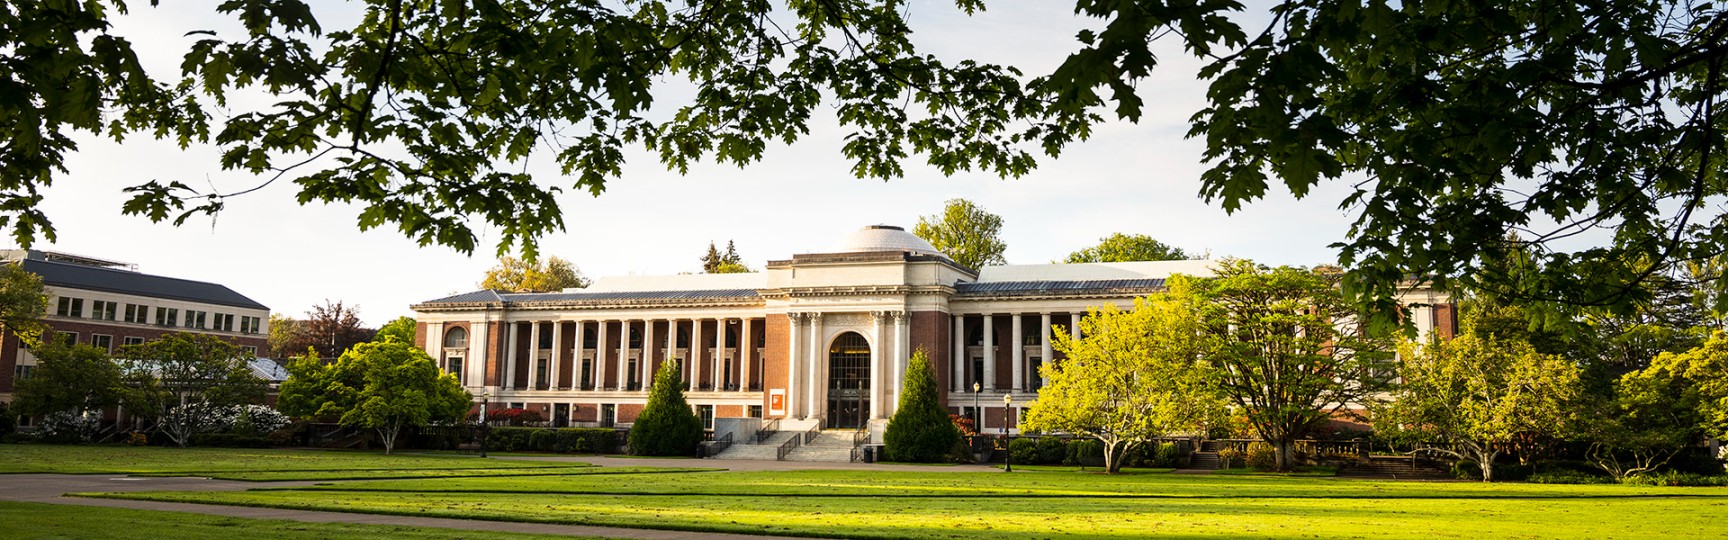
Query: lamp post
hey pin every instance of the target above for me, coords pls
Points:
(485, 427)
(1007, 408)
(977, 414)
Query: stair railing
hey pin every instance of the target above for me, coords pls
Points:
(767, 431)
(787, 448)
(720, 444)
(810, 434)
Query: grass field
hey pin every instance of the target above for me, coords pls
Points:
(34, 520)
(246, 464)
(1030, 504)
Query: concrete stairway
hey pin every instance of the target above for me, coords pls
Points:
(769, 448)
(834, 446)
(1392, 468)
(1204, 461)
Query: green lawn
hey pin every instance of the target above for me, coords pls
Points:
(1029, 504)
(91, 459)
(35, 520)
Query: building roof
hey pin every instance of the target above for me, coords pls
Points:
(95, 278)
(1094, 271)
(884, 238)
(1041, 288)
(582, 295)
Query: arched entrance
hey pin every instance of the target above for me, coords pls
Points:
(848, 382)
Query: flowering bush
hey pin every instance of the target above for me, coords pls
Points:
(69, 426)
(515, 416)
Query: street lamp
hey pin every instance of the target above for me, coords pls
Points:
(1007, 408)
(484, 426)
(977, 413)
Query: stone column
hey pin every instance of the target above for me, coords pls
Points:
(671, 338)
(623, 353)
(557, 352)
(647, 353)
(600, 355)
(877, 358)
(746, 348)
(959, 359)
(1074, 323)
(695, 354)
(509, 381)
(476, 360)
(435, 343)
(796, 322)
(817, 365)
(1044, 346)
(576, 370)
(1017, 355)
(534, 355)
(718, 376)
(989, 352)
(902, 355)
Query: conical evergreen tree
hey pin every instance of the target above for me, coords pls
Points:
(920, 431)
(667, 426)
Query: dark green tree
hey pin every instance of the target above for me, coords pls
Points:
(69, 377)
(667, 426)
(920, 431)
(1127, 248)
(7, 423)
(182, 379)
(382, 385)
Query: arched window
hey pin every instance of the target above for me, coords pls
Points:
(456, 337)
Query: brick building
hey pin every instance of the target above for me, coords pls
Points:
(108, 304)
(821, 337)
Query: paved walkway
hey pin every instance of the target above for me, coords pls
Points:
(51, 488)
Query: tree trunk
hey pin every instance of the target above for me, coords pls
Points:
(387, 435)
(1286, 452)
(1111, 463)
(1486, 460)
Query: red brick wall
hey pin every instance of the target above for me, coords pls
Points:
(420, 335)
(567, 362)
(1446, 320)
(776, 356)
(494, 353)
(627, 413)
(933, 332)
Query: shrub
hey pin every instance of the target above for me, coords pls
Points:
(1086, 453)
(7, 424)
(1024, 451)
(1569, 478)
(283, 437)
(1230, 458)
(514, 416)
(1261, 456)
(137, 438)
(1675, 478)
(921, 430)
(1166, 455)
(67, 427)
(1051, 450)
(509, 439)
(542, 440)
(229, 440)
(18, 438)
(667, 425)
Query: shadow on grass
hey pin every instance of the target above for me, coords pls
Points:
(1014, 496)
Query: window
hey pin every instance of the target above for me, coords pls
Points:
(456, 338)
(707, 413)
(224, 322)
(137, 314)
(250, 351)
(454, 367)
(23, 372)
(70, 307)
(103, 310)
(540, 374)
(67, 338)
(196, 319)
(755, 411)
(100, 341)
(131, 340)
(166, 316)
(250, 325)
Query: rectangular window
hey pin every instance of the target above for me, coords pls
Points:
(131, 340)
(540, 374)
(249, 325)
(167, 316)
(23, 372)
(137, 314)
(103, 310)
(67, 338)
(224, 322)
(707, 413)
(70, 307)
(196, 319)
(251, 352)
(454, 365)
(755, 411)
(100, 341)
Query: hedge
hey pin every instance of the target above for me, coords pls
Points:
(561, 441)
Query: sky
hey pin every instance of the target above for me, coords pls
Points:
(1133, 178)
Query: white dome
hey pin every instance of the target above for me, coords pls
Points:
(884, 238)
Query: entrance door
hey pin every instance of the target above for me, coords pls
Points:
(848, 382)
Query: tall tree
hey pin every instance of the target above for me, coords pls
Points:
(23, 301)
(728, 262)
(331, 328)
(550, 275)
(68, 377)
(382, 385)
(920, 430)
(1120, 247)
(401, 329)
(712, 260)
(1481, 394)
(182, 379)
(1287, 350)
(966, 233)
(1697, 379)
(1133, 377)
(667, 426)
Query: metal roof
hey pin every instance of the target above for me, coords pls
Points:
(495, 296)
(93, 278)
(1028, 288)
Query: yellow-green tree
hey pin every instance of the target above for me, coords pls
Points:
(381, 385)
(516, 275)
(1127, 248)
(23, 300)
(1134, 375)
(965, 232)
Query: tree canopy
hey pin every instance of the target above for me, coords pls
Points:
(1120, 247)
(1133, 377)
(552, 274)
(23, 301)
(1452, 123)
(729, 262)
(330, 328)
(183, 379)
(382, 385)
(965, 232)
(68, 377)
(401, 329)
(920, 430)
(666, 426)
